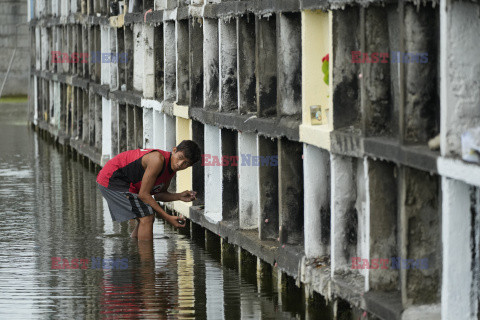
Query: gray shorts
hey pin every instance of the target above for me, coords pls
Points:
(125, 205)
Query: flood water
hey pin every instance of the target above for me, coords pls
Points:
(50, 208)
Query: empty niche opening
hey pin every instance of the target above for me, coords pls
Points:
(420, 62)
(85, 123)
(169, 60)
(228, 64)
(128, 47)
(246, 64)
(122, 128)
(196, 62)
(138, 114)
(98, 122)
(79, 117)
(122, 57)
(290, 178)
(289, 37)
(229, 176)
(268, 183)
(98, 50)
(266, 66)
(210, 64)
(198, 171)
(346, 86)
(147, 5)
(182, 63)
(130, 128)
(158, 57)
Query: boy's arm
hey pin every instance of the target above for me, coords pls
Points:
(166, 196)
(153, 167)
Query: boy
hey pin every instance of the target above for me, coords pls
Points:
(129, 180)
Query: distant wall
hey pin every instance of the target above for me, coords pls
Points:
(13, 12)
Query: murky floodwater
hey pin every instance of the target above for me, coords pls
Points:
(50, 208)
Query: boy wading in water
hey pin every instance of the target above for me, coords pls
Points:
(129, 180)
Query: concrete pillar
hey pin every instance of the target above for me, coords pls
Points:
(182, 62)
(264, 276)
(266, 66)
(184, 178)
(348, 206)
(170, 60)
(170, 142)
(290, 180)
(460, 71)
(316, 177)
(459, 295)
(246, 64)
(196, 62)
(158, 130)
(85, 48)
(213, 174)
(268, 189)
(420, 236)
(107, 153)
(248, 181)
(228, 64)
(381, 223)
(105, 47)
(210, 64)
(147, 127)
(138, 57)
(229, 176)
(148, 62)
(158, 47)
(289, 44)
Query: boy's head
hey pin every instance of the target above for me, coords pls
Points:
(185, 155)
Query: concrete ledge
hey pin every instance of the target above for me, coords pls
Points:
(129, 97)
(100, 89)
(270, 127)
(459, 170)
(136, 17)
(386, 305)
(180, 111)
(86, 151)
(345, 142)
(415, 156)
(288, 258)
(318, 136)
(155, 17)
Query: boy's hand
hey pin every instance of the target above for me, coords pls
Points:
(187, 196)
(177, 222)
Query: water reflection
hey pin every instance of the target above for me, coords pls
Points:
(50, 207)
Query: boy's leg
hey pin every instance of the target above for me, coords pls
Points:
(145, 227)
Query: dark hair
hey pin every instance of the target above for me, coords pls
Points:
(190, 150)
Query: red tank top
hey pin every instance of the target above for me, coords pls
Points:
(124, 172)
